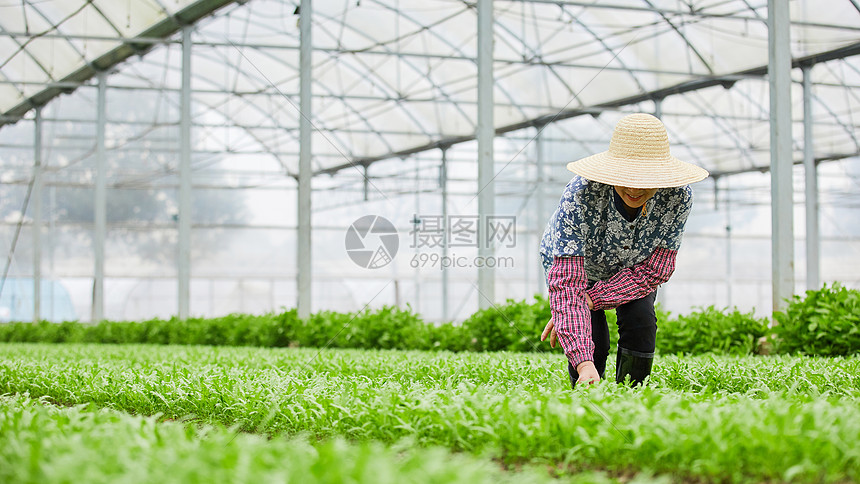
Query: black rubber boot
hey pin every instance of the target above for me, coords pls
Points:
(635, 364)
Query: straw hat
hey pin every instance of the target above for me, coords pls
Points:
(638, 157)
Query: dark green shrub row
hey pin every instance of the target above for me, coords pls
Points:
(710, 330)
(826, 322)
(232, 330)
(385, 328)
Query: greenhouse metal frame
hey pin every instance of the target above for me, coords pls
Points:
(335, 101)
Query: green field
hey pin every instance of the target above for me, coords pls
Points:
(503, 416)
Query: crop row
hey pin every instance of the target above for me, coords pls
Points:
(824, 322)
(514, 326)
(46, 444)
(811, 437)
(752, 376)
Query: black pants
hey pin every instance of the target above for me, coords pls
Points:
(637, 332)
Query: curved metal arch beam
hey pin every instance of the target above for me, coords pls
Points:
(245, 27)
(187, 15)
(696, 13)
(733, 134)
(496, 85)
(581, 142)
(326, 89)
(513, 102)
(535, 54)
(271, 85)
(745, 150)
(682, 87)
(563, 4)
(362, 75)
(319, 127)
(408, 63)
(683, 37)
(215, 109)
(319, 123)
(614, 68)
(362, 116)
(438, 88)
(849, 87)
(504, 91)
(765, 113)
(253, 135)
(456, 49)
(22, 48)
(755, 11)
(12, 83)
(109, 22)
(246, 129)
(608, 49)
(851, 132)
(56, 27)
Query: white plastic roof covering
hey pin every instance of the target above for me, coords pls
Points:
(46, 42)
(395, 76)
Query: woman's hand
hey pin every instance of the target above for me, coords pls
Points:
(587, 373)
(549, 330)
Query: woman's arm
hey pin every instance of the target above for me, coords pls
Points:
(567, 280)
(634, 282)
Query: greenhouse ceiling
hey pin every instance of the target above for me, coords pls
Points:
(392, 78)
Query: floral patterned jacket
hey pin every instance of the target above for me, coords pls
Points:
(586, 223)
(590, 248)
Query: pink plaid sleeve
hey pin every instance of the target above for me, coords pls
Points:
(634, 282)
(567, 281)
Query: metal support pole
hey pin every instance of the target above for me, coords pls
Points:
(658, 108)
(542, 216)
(37, 217)
(303, 248)
(728, 246)
(782, 207)
(416, 220)
(184, 256)
(485, 135)
(366, 187)
(813, 250)
(443, 182)
(52, 230)
(716, 209)
(100, 207)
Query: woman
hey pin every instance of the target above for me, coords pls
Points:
(610, 243)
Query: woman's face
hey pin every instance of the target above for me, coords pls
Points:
(635, 197)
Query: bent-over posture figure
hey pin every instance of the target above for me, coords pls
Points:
(610, 243)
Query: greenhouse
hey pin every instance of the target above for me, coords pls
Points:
(338, 176)
(162, 142)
